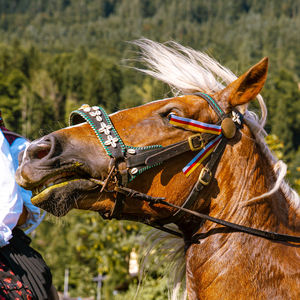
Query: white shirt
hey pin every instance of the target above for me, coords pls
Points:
(12, 196)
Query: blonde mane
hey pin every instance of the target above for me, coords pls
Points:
(188, 71)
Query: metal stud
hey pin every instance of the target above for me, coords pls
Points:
(228, 128)
(83, 106)
(86, 109)
(95, 108)
(236, 118)
(134, 171)
(131, 151)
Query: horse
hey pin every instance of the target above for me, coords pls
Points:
(197, 160)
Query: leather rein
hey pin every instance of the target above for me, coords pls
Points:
(127, 162)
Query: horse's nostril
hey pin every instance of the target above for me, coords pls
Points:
(42, 151)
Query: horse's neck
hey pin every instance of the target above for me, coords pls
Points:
(224, 258)
(244, 173)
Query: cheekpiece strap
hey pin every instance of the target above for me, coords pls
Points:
(100, 122)
(198, 126)
(201, 156)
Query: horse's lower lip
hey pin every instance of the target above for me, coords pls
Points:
(38, 198)
(53, 181)
(44, 194)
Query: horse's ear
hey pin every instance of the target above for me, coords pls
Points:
(247, 86)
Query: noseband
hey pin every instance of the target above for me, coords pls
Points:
(128, 162)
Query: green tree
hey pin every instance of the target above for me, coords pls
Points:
(59, 54)
(283, 99)
(86, 245)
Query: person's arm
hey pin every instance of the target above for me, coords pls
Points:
(34, 216)
(11, 203)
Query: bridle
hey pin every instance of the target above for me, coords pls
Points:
(128, 162)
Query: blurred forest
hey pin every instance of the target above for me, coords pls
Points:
(58, 54)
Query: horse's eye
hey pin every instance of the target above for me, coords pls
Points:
(166, 112)
(170, 115)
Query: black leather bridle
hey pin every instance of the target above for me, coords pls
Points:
(127, 162)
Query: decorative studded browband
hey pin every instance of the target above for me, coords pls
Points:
(128, 161)
(100, 122)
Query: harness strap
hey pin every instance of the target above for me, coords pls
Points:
(201, 156)
(171, 151)
(253, 231)
(218, 110)
(118, 207)
(203, 180)
(100, 122)
(159, 155)
(159, 200)
(138, 158)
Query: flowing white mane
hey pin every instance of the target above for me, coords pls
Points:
(187, 71)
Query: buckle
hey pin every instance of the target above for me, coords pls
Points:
(196, 142)
(205, 176)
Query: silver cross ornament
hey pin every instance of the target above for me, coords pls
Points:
(111, 141)
(105, 128)
(236, 118)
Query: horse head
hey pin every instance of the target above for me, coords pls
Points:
(64, 168)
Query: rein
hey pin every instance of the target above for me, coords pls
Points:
(127, 162)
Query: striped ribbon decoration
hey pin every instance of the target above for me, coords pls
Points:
(194, 125)
(200, 157)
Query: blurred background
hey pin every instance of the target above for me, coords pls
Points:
(58, 54)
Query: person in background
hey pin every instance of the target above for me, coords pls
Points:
(23, 272)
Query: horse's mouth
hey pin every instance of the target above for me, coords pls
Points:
(40, 193)
(61, 189)
(53, 181)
